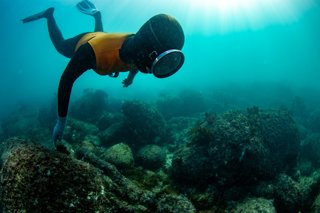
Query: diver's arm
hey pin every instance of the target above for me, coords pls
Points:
(79, 63)
(128, 81)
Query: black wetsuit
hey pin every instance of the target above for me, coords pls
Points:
(81, 60)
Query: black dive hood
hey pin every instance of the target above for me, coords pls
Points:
(158, 45)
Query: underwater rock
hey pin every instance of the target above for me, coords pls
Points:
(126, 189)
(295, 195)
(47, 115)
(10, 143)
(224, 152)
(1, 133)
(204, 200)
(316, 205)
(174, 204)
(238, 149)
(299, 109)
(76, 131)
(180, 129)
(185, 103)
(114, 134)
(22, 122)
(108, 119)
(310, 149)
(151, 157)
(143, 124)
(280, 134)
(120, 155)
(90, 106)
(314, 121)
(35, 179)
(93, 139)
(256, 205)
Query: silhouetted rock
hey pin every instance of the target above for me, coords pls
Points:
(185, 103)
(90, 106)
(314, 121)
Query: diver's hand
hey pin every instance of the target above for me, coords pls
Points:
(127, 82)
(87, 7)
(58, 129)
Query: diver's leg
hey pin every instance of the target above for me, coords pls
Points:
(64, 47)
(97, 22)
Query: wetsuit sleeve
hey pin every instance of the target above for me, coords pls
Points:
(82, 60)
(98, 22)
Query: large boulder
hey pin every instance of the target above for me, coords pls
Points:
(120, 155)
(238, 148)
(143, 124)
(151, 157)
(35, 179)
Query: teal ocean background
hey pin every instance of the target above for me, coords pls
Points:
(262, 49)
(237, 129)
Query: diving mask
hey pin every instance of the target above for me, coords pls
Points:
(166, 63)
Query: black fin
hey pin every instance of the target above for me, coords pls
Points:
(37, 16)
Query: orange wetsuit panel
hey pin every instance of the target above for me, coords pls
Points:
(106, 47)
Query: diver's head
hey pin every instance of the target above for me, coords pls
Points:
(157, 46)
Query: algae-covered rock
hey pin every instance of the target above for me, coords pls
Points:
(237, 148)
(76, 130)
(151, 157)
(310, 147)
(316, 205)
(174, 204)
(35, 179)
(143, 124)
(254, 205)
(295, 195)
(120, 155)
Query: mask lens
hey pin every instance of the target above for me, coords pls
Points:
(167, 63)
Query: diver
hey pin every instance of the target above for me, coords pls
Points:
(154, 49)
